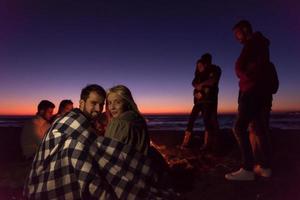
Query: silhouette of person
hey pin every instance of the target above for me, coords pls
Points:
(126, 124)
(205, 83)
(254, 103)
(35, 129)
(65, 106)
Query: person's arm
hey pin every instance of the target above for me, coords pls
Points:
(139, 137)
(213, 79)
(243, 67)
(131, 133)
(118, 129)
(209, 83)
(242, 61)
(246, 66)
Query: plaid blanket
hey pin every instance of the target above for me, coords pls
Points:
(74, 163)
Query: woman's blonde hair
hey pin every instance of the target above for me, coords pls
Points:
(126, 95)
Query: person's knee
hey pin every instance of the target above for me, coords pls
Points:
(238, 129)
(258, 130)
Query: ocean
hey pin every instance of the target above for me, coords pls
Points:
(287, 121)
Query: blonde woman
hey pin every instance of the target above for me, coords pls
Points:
(125, 122)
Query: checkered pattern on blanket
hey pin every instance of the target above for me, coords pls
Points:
(74, 163)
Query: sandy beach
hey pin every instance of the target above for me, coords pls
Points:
(196, 175)
(206, 179)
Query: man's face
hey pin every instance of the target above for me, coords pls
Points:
(67, 108)
(116, 104)
(240, 35)
(93, 105)
(47, 114)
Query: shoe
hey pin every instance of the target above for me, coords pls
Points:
(187, 139)
(263, 172)
(240, 175)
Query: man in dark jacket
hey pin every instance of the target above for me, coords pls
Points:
(255, 101)
(206, 90)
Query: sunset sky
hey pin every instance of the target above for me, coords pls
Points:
(52, 49)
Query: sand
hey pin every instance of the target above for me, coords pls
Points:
(196, 175)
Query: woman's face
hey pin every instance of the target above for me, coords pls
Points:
(116, 104)
(200, 67)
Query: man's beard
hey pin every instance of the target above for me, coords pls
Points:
(43, 116)
(91, 115)
(94, 114)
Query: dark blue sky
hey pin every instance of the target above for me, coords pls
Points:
(51, 49)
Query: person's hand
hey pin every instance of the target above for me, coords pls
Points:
(187, 139)
(198, 86)
(198, 95)
(97, 128)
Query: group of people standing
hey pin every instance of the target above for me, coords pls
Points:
(74, 161)
(258, 82)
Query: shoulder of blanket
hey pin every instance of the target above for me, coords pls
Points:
(74, 118)
(131, 118)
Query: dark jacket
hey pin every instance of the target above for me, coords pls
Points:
(210, 93)
(251, 65)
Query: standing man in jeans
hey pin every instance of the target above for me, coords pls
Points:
(206, 91)
(254, 103)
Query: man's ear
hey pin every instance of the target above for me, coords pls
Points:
(41, 112)
(81, 104)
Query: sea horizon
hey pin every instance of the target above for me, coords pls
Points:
(166, 113)
(178, 122)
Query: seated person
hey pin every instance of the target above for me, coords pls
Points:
(75, 163)
(65, 106)
(125, 123)
(35, 129)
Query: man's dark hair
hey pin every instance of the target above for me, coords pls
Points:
(85, 92)
(206, 58)
(44, 105)
(63, 104)
(243, 24)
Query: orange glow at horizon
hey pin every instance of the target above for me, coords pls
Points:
(18, 108)
(164, 107)
(13, 108)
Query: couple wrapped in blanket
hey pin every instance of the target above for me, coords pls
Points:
(73, 162)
